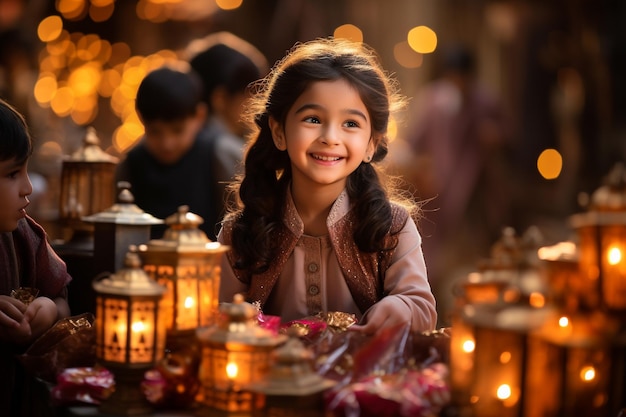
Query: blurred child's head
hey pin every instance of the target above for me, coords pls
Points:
(169, 103)
(15, 149)
(227, 65)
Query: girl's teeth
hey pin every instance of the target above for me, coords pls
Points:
(326, 158)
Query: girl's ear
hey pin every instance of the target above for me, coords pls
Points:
(278, 134)
(371, 149)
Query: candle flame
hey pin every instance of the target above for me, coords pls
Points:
(614, 255)
(468, 346)
(503, 392)
(588, 373)
(189, 302)
(563, 321)
(232, 370)
(138, 327)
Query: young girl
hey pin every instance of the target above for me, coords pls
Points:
(26, 260)
(316, 230)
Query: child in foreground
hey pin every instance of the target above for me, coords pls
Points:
(316, 230)
(26, 261)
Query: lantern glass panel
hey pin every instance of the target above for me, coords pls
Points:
(613, 266)
(187, 302)
(142, 335)
(589, 270)
(115, 314)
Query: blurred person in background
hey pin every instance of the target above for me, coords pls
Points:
(458, 136)
(227, 65)
(168, 167)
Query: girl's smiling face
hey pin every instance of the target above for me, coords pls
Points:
(327, 134)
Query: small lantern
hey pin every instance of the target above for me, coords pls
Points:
(187, 263)
(602, 235)
(236, 353)
(116, 228)
(293, 388)
(87, 184)
(130, 336)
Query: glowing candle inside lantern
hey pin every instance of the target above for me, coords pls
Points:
(468, 346)
(588, 373)
(503, 392)
(614, 255)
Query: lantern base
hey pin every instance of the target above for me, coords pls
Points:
(127, 399)
(231, 403)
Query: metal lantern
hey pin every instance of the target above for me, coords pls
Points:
(236, 352)
(496, 309)
(116, 228)
(130, 336)
(602, 235)
(187, 263)
(87, 183)
(292, 388)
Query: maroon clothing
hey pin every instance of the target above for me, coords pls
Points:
(26, 260)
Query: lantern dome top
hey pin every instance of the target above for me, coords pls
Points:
(90, 150)
(124, 211)
(611, 196)
(131, 280)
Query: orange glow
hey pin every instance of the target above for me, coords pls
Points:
(350, 32)
(588, 373)
(72, 9)
(406, 56)
(101, 13)
(228, 4)
(549, 164)
(63, 101)
(45, 88)
(614, 255)
(422, 39)
(468, 346)
(50, 28)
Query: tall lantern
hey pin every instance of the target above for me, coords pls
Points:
(130, 337)
(236, 353)
(87, 185)
(187, 263)
(116, 228)
(602, 235)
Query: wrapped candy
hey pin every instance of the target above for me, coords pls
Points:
(174, 382)
(86, 385)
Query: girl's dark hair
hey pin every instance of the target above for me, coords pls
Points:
(167, 94)
(263, 187)
(15, 140)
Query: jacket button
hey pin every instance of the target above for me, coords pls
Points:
(314, 290)
(313, 267)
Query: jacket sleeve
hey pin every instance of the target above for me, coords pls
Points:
(229, 282)
(406, 283)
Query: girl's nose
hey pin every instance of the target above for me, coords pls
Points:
(26, 188)
(330, 135)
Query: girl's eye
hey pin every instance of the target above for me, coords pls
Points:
(14, 174)
(312, 119)
(351, 123)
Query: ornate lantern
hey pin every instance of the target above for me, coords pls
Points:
(130, 336)
(236, 353)
(602, 235)
(497, 308)
(187, 263)
(292, 388)
(87, 184)
(116, 228)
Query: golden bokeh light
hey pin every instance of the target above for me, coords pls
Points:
(110, 80)
(406, 56)
(422, 39)
(350, 32)
(228, 4)
(50, 28)
(45, 88)
(102, 13)
(63, 101)
(550, 164)
(72, 9)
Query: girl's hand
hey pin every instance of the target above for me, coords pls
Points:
(382, 315)
(11, 311)
(41, 314)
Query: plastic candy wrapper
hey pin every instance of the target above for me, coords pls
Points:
(407, 393)
(88, 385)
(70, 343)
(25, 294)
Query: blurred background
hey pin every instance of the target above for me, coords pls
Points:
(553, 71)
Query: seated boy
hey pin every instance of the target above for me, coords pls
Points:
(26, 260)
(171, 166)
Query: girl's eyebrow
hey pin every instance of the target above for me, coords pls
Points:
(313, 106)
